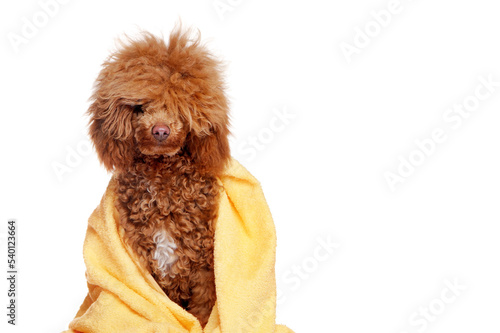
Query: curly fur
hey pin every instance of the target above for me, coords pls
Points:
(168, 191)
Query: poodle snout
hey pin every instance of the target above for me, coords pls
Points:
(160, 132)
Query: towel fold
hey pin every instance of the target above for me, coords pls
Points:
(124, 297)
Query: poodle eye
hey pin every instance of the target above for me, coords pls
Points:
(138, 110)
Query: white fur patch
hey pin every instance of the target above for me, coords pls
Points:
(164, 253)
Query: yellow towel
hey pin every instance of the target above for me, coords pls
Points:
(124, 297)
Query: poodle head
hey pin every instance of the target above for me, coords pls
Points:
(156, 99)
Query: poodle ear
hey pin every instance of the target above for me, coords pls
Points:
(211, 151)
(110, 129)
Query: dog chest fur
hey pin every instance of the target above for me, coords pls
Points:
(164, 253)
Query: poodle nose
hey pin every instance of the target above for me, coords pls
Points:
(160, 132)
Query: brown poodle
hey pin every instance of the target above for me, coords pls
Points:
(159, 122)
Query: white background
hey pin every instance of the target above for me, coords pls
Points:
(323, 170)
